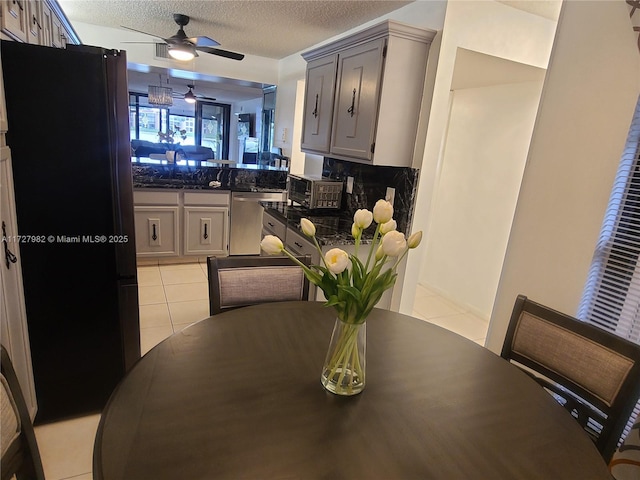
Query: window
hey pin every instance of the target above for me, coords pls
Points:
(178, 123)
(206, 124)
(611, 298)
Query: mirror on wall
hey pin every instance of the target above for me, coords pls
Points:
(222, 107)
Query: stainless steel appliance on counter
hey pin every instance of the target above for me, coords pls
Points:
(315, 192)
(245, 232)
(68, 111)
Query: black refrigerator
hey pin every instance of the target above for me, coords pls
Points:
(68, 117)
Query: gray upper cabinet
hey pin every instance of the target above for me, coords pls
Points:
(34, 23)
(377, 89)
(14, 19)
(318, 104)
(39, 22)
(356, 104)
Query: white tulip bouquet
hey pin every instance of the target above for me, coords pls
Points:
(352, 288)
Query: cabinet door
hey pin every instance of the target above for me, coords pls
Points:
(34, 26)
(357, 96)
(206, 230)
(14, 19)
(156, 231)
(274, 226)
(318, 104)
(13, 318)
(299, 245)
(57, 31)
(45, 21)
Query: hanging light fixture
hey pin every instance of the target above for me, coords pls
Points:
(159, 95)
(189, 97)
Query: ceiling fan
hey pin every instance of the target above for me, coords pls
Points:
(191, 97)
(185, 48)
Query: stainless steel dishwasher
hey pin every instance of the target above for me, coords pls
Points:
(246, 219)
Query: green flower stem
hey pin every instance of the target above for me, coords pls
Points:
(345, 356)
(308, 272)
(315, 241)
(373, 247)
(400, 258)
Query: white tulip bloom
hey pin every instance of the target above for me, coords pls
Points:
(271, 245)
(308, 228)
(388, 226)
(363, 218)
(379, 253)
(337, 260)
(382, 211)
(355, 230)
(393, 243)
(415, 239)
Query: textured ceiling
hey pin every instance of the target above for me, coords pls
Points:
(268, 28)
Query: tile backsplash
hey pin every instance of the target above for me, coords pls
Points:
(370, 185)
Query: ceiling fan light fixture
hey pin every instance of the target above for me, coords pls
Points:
(183, 53)
(189, 97)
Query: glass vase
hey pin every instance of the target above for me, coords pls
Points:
(344, 366)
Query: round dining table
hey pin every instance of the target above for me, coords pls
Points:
(238, 396)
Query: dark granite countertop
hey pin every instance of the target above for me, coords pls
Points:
(333, 227)
(201, 175)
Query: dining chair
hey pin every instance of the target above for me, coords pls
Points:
(594, 374)
(20, 454)
(238, 281)
(625, 464)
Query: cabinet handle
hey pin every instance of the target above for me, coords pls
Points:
(154, 236)
(36, 22)
(297, 244)
(271, 224)
(19, 4)
(351, 109)
(205, 235)
(315, 110)
(8, 255)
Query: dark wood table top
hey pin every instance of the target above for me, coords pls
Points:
(238, 395)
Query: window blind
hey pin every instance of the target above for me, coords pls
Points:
(611, 298)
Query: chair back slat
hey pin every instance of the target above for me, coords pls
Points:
(239, 281)
(594, 374)
(572, 356)
(251, 285)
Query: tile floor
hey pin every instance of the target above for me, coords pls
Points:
(172, 297)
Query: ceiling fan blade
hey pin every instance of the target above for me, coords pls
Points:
(140, 31)
(221, 53)
(203, 41)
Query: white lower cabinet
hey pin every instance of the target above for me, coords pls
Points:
(157, 231)
(181, 223)
(206, 230)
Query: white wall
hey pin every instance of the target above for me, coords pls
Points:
(484, 156)
(482, 26)
(588, 100)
